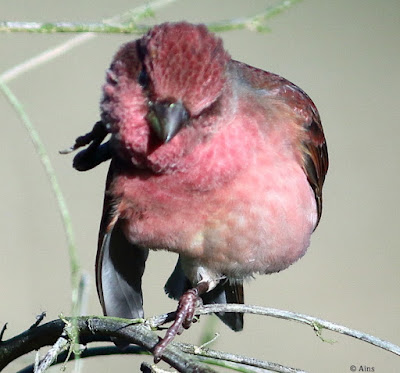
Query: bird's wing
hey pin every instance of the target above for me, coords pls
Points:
(226, 292)
(315, 157)
(312, 144)
(119, 264)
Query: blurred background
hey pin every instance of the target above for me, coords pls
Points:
(345, 54)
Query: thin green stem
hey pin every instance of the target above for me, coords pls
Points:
(62, 206)
(127, 23)
(139, 13)
(253, 23)
(46, 56)
(53, 27)
(44, 158)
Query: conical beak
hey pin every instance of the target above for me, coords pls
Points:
(166, 118)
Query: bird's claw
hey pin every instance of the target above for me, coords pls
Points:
(68, 150)
(96, 152)
(99, 131)
(183, 319)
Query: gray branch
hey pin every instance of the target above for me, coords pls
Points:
(317, 324)
(95, 329)
(140, 332)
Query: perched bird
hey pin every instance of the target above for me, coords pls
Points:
(212, 159)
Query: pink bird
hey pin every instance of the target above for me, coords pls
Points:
(212, 159)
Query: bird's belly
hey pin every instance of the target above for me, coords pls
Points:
(262, 229)
(261, 222)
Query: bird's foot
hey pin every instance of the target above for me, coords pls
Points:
(183, 318)
(97, 134)
(96, 152)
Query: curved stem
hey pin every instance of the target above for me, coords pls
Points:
(317, 324)
(62, 205)
(127, 23)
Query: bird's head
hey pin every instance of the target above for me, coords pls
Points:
(156, 85)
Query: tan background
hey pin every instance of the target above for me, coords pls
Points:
(345, 54)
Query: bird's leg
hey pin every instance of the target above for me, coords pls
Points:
(183, 318)
(96, 152)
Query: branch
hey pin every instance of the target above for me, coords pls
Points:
(95, 329)
(217, 357)
(139, 332)
(100, 329)
(127, 23)
(94, 352)
(317, 324)
(209, 356)
(51, 356)
(213, 357)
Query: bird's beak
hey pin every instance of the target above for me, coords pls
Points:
(166, 118)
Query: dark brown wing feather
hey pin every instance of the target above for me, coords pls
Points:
(119, 264)
(227, 292)
(107, 223)
(315, 158)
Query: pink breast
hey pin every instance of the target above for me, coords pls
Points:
(258, 222)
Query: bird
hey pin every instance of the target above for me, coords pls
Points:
(212, 159)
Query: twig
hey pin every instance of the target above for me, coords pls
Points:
(212, 357)
(46, 56)
(253, 23)
(93, 352)
(100, 328)
(138, 331)
(208, 343)
(62, 206)
(3, 330)
(228, 357)
(93, 329)
(39, 319)
(242, 368)
(317, 324)
(75, 272)
(60, 345)
(127, 23)
(70, 27)
(151, 368)
(124, 23)
(37, 361)
(140, 12)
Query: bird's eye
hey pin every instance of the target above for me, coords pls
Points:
(143, 78)
(155, 123)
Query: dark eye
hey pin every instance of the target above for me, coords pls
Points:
(143, 78)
